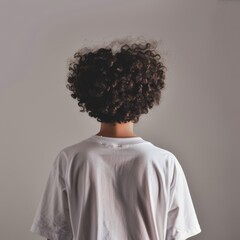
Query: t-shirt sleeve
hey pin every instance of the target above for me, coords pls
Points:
(182, 221)
(52, 218)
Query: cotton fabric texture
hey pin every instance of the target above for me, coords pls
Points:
(106, 188)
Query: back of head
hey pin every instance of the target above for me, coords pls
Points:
(117, 82)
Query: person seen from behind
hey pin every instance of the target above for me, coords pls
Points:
(115, 185)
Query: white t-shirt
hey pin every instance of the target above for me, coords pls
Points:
(106, 188)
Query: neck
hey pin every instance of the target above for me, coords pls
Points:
(117, 130)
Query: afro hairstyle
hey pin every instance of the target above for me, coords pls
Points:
(117, 86)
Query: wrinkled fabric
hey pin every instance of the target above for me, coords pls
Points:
(105, 188)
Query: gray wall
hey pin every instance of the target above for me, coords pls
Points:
(198, 118)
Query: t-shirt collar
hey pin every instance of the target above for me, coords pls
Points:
(116, 141)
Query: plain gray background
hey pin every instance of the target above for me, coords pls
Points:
(198, 118)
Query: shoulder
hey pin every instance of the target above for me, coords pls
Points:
(65, 156)
(75, 148)
(161, 160)
(160, 154)
(76, 151)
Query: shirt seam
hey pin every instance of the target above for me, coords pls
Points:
(117, 145)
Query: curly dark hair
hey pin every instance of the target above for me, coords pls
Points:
(117, 87)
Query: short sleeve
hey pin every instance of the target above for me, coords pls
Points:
(182, 221)
(52, 219)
